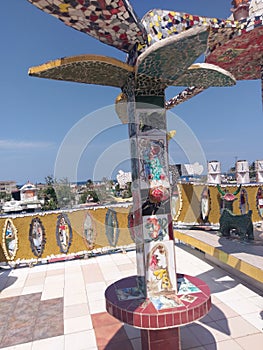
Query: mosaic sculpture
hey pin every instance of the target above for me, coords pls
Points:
(242, 224)
(161, 51)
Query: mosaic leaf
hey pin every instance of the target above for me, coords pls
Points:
(88, 69)
(113, 22)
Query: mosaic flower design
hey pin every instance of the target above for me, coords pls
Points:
(63, 233)
(10, 240)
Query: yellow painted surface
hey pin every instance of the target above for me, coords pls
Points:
(242, 266)
(190, 211)
(77, 219)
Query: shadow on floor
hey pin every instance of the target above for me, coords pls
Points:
(196, 336)
(6, 280)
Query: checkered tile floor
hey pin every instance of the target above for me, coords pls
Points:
(61, 306)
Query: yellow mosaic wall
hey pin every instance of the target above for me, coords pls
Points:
(77, 219)
(188, 210)
(189, 207)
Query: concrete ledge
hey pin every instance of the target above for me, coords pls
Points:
(245, 258)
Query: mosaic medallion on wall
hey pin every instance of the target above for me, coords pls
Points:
(89, 232)
(37, 237)
(205, 204)
(112, 227)
(243, 202)
(260, 201)
(10, 240)
(63, 233)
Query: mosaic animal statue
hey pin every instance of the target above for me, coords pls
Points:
(241, 223)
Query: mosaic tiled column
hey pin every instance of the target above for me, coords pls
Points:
(151, 195)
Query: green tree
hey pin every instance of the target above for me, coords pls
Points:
(49, 194)
(65, 197)
(88, 193)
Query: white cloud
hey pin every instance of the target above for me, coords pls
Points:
(17, 145)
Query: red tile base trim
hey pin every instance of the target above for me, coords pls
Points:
(167, 339)
(142, 314)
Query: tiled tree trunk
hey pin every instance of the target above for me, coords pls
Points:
(152, 223)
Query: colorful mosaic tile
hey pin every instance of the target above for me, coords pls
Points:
(155, 228)
(161, 24)
(129, 293)
(162, 302)
(184, 286)
(168, 59)
(233, 45)
(242, 56)
(111, 21)
(183, 96)
(160, 264)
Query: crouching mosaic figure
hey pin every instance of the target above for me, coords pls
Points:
(242, 224)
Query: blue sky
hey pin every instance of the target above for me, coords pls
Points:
(38, 114)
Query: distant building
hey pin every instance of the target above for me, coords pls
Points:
(123, 178)
(7, 186)
(27, 201)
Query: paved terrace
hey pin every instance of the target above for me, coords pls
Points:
(61, 306)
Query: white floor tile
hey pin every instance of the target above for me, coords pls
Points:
(97, 306)
(76, 310)
(25, 346)
(80, 341)
(76, 298)
(32, 289)
(77, 324)
(54, 343)
(94, 287)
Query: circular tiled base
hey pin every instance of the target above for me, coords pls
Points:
(142, 314)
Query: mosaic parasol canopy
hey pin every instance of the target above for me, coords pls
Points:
(161, 47)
